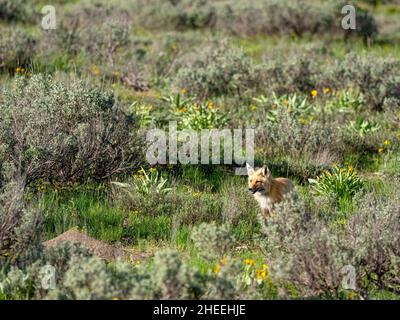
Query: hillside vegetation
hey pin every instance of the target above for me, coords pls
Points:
(77, 102)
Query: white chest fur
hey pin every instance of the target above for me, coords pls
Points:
(263, 200)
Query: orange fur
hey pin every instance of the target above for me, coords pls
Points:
(267, 190)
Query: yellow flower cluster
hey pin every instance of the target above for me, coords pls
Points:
(314, 92)
(222, 262)
(347, 170)
(19, 70)
(250, 262)
(385, 145)
(262, 274)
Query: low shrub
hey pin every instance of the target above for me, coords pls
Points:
(297, 18)
(15, 10)
(306, 146)
(17, 49)
(176, 14)
(19, 225)
(84, 132)
(213, 241)
(215, 71)
(375, 77)
(82, 276)
(104, 41)
(373, 236)
(321, 261)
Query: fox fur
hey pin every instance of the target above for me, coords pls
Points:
(268, 191)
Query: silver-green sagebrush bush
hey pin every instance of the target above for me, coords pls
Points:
(65, 132)
(308, 253)
(251, 18)
(373, 235)
(217, 70)
(80, 276)
(376, 77)
(309, 145)
(15, 10)
(213, 241)
(19, 225)
(17, 49)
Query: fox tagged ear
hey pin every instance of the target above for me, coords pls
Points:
(250, 170)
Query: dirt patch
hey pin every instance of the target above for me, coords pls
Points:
(96, 247)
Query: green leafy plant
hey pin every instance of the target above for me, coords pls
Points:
(196, 116)
(296, 106)
(346, 100)
(145, 183)
(144, 113)
(178, 101)
(362, 127)
(202, 116)
(339, 182)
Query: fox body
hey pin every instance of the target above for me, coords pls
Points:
(267, 190)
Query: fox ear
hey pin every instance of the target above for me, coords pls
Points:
(265, 171)
(250, 170)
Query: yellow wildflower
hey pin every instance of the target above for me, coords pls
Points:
(95, 70)
(327, 90)
(19, 70)
(341, 169)
(253, 108)
(249, 262)
(351, 169)
(183, 91)
(380, 150)
(386, 142)
(210, 105)
(217, 268)
(261, 274)
(224, 260)
(314, 93)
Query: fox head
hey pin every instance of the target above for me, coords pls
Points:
(259, 180)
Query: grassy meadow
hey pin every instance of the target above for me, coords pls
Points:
(76, 104)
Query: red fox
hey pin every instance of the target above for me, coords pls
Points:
(267, 190)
